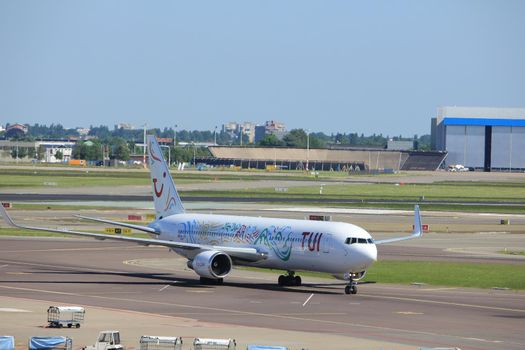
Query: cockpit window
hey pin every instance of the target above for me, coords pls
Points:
(353, 240)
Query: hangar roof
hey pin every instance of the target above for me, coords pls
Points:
(481, 116)
(483, 121)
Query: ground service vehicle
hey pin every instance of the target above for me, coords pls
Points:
(150, 342)
(214, 344)
(7, 342)
(50, 343)
(107, 340)
(70, 316)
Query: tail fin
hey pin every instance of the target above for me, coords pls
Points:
(165, 196)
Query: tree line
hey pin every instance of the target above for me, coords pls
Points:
(120, 143)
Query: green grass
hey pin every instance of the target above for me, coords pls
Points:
(437, 273)
(484, 192)
(38, 177)
(512, 252)
(475, 275)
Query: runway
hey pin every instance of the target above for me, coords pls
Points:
(153, 280)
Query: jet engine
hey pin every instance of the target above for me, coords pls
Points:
(211, 264)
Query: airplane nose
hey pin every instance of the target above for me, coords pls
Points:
(373, 253)
(369, 254)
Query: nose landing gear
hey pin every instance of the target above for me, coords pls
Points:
(351, 288)
(290, 279)
(352, 278)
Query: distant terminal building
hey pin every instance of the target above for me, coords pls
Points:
(45, 150)
(400, 145)
(481, 138)
(356, 160)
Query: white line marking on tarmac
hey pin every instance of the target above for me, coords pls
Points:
(442, 303)
(166, 286)
(6, 265)
(307, 300)
(436, 289)
(247, 313)
(9, 309)
(485, 340)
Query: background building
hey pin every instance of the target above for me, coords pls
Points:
(272, 127)
(480, 137)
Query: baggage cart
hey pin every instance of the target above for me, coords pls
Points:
(50, 343)
(214, 344)
(150, 342)
(61, 316)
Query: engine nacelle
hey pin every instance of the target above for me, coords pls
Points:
(356, 276)
(211, 264)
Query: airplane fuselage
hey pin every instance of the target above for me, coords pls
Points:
(289, 244)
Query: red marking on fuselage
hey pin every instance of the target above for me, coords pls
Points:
(157, 192)
(314, 240)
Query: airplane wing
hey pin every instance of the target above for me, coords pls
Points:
(417, 232)
(246, 254)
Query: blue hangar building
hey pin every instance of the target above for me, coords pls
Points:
(489, 139)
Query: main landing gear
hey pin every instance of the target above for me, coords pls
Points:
(290, 279)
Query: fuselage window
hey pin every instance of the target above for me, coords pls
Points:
(347, 241)
(361, 240)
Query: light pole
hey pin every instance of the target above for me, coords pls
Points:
(193, 143)
(175, 136)
(307, 148)
(144, 148)
(215, 137)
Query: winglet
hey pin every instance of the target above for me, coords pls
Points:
(418, 229)
(416, 232)
(7, 218)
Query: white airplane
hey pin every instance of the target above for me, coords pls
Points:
(214, 243)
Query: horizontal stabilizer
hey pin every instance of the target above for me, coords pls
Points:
(123, 224)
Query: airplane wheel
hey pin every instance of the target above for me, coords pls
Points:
(297, 280)
(347, 290)
(353, 290)
(282, 280)
(220, 281)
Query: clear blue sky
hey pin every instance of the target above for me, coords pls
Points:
(332, 66)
